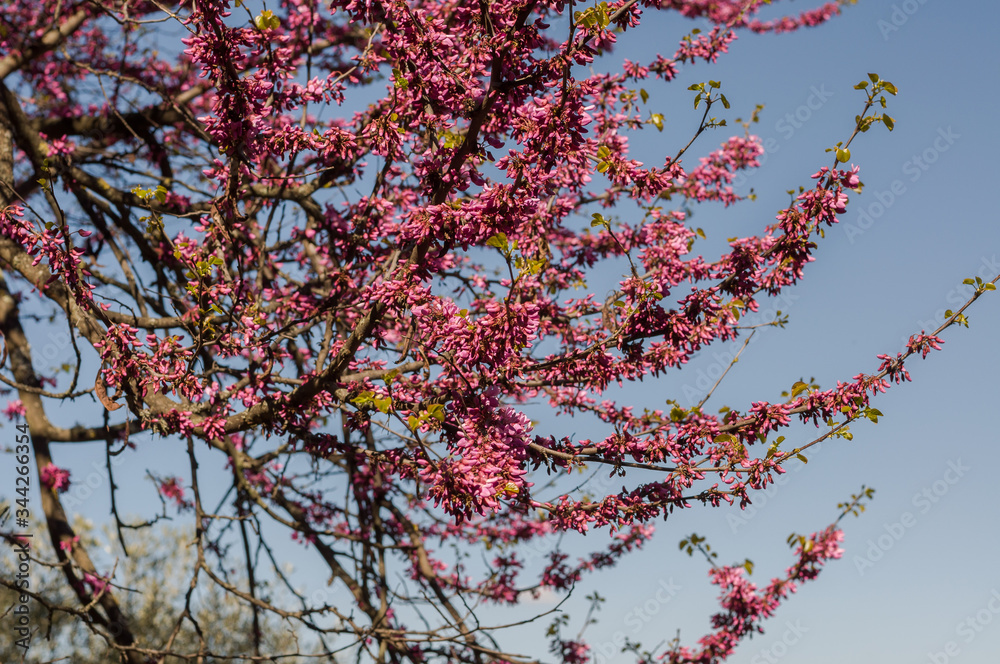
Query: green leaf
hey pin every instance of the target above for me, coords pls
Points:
(266, 20)
(644, 95)
(889, 123)
(873, 77)
(725, 102)
(889, 87)
(399, 80)
(801, 458)
(499, 241)
(535, 266)
(436, 411)
(363, 399)
(843, 155)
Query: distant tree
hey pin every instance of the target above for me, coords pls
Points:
(154, 585)
(338, 316)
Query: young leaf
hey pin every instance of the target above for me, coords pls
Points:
(499, 241)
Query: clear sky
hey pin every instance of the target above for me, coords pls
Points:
(918, 582)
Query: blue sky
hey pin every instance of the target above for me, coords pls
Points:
(918, 582)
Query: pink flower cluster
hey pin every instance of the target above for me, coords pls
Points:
(14, 409)
(172, 489)
(55, 478)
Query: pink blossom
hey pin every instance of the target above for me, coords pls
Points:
(172, 489)
(55, 478)
(68, 544)
(14, 409)
(98, 585)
